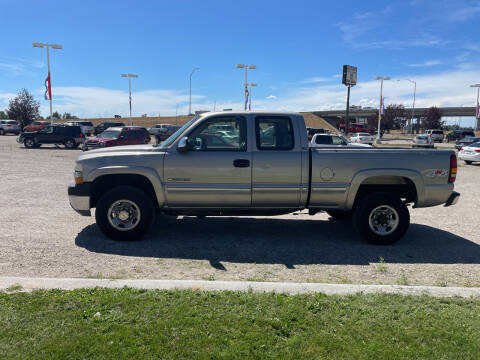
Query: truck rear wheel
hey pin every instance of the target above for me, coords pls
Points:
(124, 213)
(381, 218)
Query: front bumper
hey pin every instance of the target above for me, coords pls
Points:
(452, 199)
(79, 197)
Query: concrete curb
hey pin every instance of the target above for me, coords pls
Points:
(28, 284)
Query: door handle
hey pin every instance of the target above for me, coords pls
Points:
(241, 163)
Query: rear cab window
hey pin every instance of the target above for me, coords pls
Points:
(274, 133)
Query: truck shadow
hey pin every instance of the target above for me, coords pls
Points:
(281, 241)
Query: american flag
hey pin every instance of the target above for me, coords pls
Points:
(48, 88)
(246, 97)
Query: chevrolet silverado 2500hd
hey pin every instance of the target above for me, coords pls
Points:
(258, 163)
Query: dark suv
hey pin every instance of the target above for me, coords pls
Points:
(69, 136)
(459, 135)
(105, 125)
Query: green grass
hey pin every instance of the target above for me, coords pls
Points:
(136, 324)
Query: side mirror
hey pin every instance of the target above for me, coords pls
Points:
(182, 145)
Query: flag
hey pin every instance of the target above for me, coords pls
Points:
(246, 97)
(48, 88)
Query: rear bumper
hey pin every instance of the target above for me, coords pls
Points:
(79, 197)
(452, 199)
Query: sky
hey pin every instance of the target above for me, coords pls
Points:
(299, 48)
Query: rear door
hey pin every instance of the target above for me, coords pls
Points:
(277, 163)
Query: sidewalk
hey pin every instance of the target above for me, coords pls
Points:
(29, 284)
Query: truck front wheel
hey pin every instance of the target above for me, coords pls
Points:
(124, 213)
(381, 218)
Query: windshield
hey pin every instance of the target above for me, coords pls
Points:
(177, 133)
(109, 134)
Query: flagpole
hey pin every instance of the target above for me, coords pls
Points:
(49, 83)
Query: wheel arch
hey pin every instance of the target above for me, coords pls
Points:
(407, 183)
(145, 179)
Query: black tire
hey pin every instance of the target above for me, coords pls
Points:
(381, 202)
(468, 162)
(340, 214)
(69, 144)
(2, 132)
(143, 207)
(29, 143)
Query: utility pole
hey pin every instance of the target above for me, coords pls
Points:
(49, 79)
(130, 76)
(246, 67)
(477, 109)
(190, 98)
(381, 78)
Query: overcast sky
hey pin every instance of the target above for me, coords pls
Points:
(299, 48)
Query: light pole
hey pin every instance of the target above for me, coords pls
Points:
(246, 67)
(410, 128)
(250, 93)
(49, 80)
(130, 76)
(477, 109)
(190, 99)
(381, 78)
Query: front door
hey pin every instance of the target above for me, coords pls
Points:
(215, 171)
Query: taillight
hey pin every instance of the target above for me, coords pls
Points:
(461, 149)
(478, 151)
(453, 169)
(81, 135)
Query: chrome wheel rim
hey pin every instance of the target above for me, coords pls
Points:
(124, 215)
(69, 143)
(29, 142)
(383, 220)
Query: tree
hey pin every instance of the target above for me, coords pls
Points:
(68, 116)
(431, 119)
(394, 117)
(23, 108)
(3, 115)
(372, 121)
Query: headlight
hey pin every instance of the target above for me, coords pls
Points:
(78, 176)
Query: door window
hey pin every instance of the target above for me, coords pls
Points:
(219, 134)
(274, 133)
(46, 130)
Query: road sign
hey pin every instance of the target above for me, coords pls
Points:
(349, 75)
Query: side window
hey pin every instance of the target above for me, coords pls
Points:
(336, 140)
(274, 133)
(324, 140)
(131, 135)
(47, 130)
(211, 135)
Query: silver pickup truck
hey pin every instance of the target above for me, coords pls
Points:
(258, 163)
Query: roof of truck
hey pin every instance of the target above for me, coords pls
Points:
(258, 112)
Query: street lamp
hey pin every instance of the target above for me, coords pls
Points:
(250, 91)
(246, 67)
(130, 76)
(381, 78)
(410, 128)
(477, 110)
(49, 80)
(190, 101)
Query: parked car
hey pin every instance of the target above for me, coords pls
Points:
(105, 125)
(258, 176)
(163, 131)
(362, 138)
(36, 125)
(437, 135)
(470, 153)
(118, 136)
(466, 141)
(9, 127)
(424, 141)
(323, 140)
(86, 126)
(459, 134)
(69, 136)
(313, 131)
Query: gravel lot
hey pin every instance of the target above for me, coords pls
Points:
(42, 236)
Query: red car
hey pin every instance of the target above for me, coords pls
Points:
(36, 125)
(118, 136)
